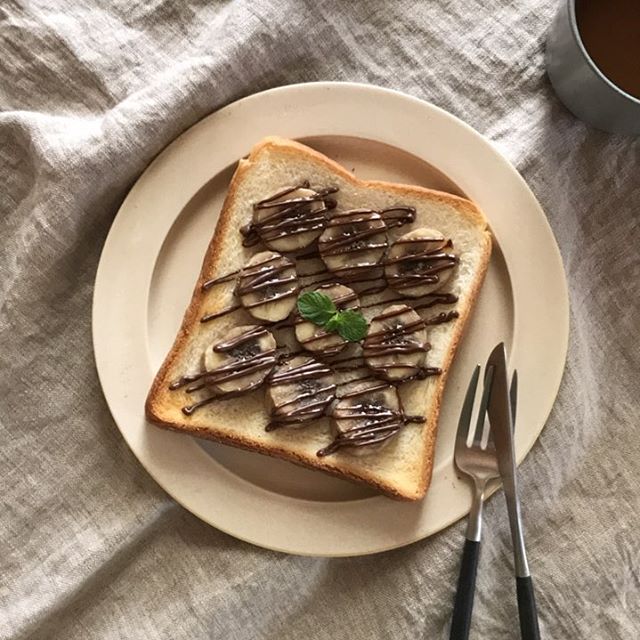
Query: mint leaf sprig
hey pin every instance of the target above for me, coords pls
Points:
(320, 309)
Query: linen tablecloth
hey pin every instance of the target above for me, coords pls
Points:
(91, 547)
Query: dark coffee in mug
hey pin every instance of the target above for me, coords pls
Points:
(610, 32)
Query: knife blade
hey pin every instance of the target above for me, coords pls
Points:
(501, 421)
(500, 418)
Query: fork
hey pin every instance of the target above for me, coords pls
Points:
(480, 463)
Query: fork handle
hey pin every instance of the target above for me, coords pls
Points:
(527, 609)
(463, 606)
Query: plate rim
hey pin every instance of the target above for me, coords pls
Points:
(294, 91)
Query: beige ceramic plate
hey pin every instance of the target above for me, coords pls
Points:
(153, 254)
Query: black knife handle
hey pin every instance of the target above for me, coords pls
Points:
(527, 609)
(463, 605)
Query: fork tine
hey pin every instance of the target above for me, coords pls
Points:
(488, 382)
(467, 408)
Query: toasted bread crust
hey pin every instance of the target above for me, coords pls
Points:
(155, 403)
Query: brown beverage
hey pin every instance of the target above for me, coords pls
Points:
(610, 32)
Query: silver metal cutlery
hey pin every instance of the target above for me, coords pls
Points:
(485, 459)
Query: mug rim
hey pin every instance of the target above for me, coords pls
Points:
(576, 32)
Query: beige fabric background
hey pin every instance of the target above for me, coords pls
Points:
(90, 547)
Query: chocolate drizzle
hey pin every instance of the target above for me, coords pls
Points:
(381, 422)
(218, 314)
(398, 216)
(186, 379)
(289, 216)
(441, 318)
(353, 232)
(353, 244)
(393, 341)
(359, 239)
(189, 409)
(246, 357)
(421, 265)
(250, 335)
(274, 278)
(424, 302)
(314, 392)
(207, 284)
(354, 274)
(241, 368)
(396, 343)
(259, 284)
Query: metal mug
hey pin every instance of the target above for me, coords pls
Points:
(578, 82)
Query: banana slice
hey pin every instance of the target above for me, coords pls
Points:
(316, 339)
(396, 343)
(268, 286)
(419, 262)
(292, 218)
(353, 243)
(241, 361)
(300, 390)
(365, 419)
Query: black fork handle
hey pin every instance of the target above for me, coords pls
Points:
(463, 605)
(527, 609)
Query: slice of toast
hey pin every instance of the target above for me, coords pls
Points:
(403, 468)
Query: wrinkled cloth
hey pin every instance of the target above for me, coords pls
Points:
(91, 547)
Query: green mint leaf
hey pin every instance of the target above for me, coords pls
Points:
(316, 307)
(352, 325)
(334, 322)
(320, 309)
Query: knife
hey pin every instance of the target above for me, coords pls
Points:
(500, 419)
